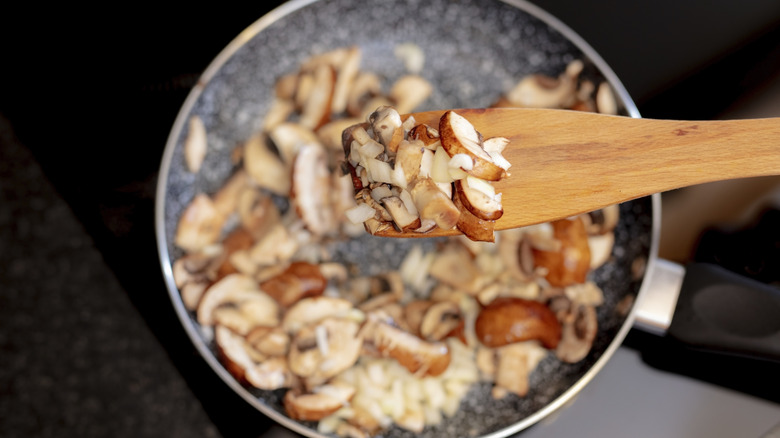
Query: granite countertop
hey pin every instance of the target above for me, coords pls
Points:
(90, 345)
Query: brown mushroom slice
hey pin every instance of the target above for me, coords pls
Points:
(473, 227)
(428, 135)
(514, 365)
(480, 198)
(275, 246)
(409, 158)
(310, 189)
(194, 272)
(271, 374)
(580, 327)
(414, 312)
(455, 267)
(348, 68)
(195, 145)
(404, 219)
(317, 106)
(322, 350)
(330, 134)
(270, 341)
(602, 221)
(288, 138)
(278, 113)
(257, 211)
(507, 320)
(236, 289)
(420, 357)
(433, 204)
(365, 87)
(317, 405)
(600, 249)
(458, 136)
(409, 91)
(570, 263)
(440, 320)
(310, 310)
(265, 168)
(387, 127)
(200, 224)
(298, 281)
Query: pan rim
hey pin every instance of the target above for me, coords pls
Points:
(193, 331)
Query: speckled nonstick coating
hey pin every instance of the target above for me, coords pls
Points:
(475, 50)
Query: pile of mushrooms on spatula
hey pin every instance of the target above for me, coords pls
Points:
(360, 352)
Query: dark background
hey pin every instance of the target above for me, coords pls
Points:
(89, 343)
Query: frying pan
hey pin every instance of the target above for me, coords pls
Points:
(475, 51)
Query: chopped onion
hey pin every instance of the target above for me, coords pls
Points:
(360, 213)
(380, 192)
(482, 186)
(379, 171)
(440, 169)
(426, 164)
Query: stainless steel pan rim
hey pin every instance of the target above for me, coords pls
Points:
(193, 330)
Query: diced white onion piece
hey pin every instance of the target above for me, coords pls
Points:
(399, 177)
(408, 124)
(446, 188)
(360, 135)
(440, 170)
(461, 161)
(380, 192)
(360, 213)
(379, 171)
(354, 153)
(426, 164)
(482, 186)
(372, 149)
(406, 197)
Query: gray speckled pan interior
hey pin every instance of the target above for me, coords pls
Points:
(474, 51)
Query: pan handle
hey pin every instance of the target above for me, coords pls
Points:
(720, 311)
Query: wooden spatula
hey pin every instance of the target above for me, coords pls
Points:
(570, 162)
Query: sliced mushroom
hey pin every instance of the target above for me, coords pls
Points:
(237, 240)
(479, 197)
(364, 88)
(298, 281)
(310, 310)
(409, 158)
(278, 113)
(274, 247)
(195, 145)
(440, 320)
(602, 221)
(310, 189)
(322, 350)
(473, 227)
(271, 374)
(348, 68)
(409, 91)
(433, 204)
(387, 127)
(238, 290)
(270, 341)
(458, 136)
(455, 267)
(569, 264)
(420, 357)
(317, 106)
(318, 405)
(428, 135)
(402, 217)
(507, 320)
(265, 167)
(579, 329)
(414, 312)
(288, 138)
(515, 363)
(600, 249)
(194, 272)
(330, 135)
(200, 224)
(257, 212)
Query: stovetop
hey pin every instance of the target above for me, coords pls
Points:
(89, 343)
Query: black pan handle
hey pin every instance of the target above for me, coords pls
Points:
(720, 311)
